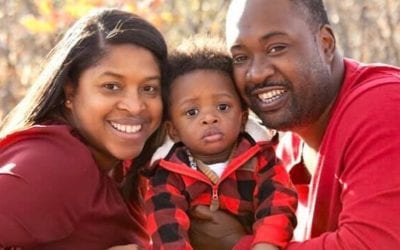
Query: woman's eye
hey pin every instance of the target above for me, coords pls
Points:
(151, 90)
(192, 112)
(223, 107)
(111, 86)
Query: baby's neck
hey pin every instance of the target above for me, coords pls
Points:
(214, 158)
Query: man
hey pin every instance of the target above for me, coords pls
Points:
(289, 71)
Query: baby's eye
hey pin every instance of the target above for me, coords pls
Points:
(192, 112)
(223, 107)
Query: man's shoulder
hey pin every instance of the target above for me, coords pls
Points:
(369, 75)
(362, 81)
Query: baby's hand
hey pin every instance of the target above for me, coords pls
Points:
(213, 230)
(201, 213)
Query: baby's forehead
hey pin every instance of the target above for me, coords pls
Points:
(206, 96)
(203, 80)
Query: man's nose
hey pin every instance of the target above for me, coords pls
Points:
(259, 70)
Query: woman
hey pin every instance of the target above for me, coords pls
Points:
(64, 149)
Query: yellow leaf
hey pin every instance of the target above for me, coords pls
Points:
(167, 16)
(36, 25)
(130, 7)
(77, 9)
(154, 19)
(45, 7)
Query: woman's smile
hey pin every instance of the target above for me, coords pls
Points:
(129, 129)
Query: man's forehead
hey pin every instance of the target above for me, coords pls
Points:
(257, 18)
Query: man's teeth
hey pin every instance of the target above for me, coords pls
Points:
(270, 96)
(126, 128)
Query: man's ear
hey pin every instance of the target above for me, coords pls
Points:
(172, 133)
(69, 92)
(328, 42)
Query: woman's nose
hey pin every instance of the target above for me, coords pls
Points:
(132, 103)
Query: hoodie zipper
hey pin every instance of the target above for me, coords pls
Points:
(214, 199)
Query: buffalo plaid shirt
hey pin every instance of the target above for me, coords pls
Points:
(255, 187)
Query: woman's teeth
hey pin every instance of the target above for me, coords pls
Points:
(130, 129)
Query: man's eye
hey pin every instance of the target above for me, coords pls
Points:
(276, 49)
(239, 59)
(192, 112)
(223, 107)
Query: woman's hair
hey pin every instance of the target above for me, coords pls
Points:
(200, 52)
(82, 47)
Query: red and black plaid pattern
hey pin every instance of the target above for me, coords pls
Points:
(255, 187)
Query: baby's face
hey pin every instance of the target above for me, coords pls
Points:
(206, 113)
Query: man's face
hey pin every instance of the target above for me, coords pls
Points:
(280, 64)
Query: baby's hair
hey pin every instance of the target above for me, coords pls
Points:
(200, 52)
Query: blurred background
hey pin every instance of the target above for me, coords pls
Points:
(367, 30)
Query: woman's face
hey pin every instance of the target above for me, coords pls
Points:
(117, 103)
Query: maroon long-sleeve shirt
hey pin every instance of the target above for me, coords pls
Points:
(53, 195)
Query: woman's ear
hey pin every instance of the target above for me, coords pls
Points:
(328, 42)
(172, 133)
(69, 92)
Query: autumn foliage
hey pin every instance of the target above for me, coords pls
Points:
(368, 30)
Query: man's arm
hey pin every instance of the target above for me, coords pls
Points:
(368, 149)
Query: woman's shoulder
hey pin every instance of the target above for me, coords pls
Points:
(47, 148)
(48, 170)
(45, 139)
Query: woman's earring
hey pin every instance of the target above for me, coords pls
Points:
(67, 104)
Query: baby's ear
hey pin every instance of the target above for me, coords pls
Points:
(172, 132)
(245, 118)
